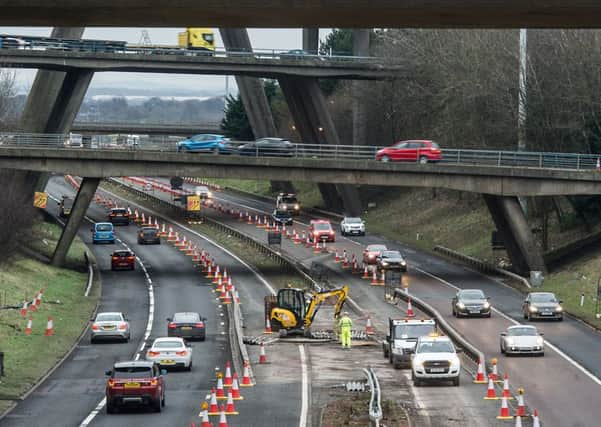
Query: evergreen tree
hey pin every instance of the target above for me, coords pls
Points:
(235, 123)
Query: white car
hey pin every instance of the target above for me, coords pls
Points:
(170, 353)
(522, 339)
(204, 192)
(435, 359)
(352, 225)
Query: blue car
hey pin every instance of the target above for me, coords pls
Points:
(103, 232)
(205, 143)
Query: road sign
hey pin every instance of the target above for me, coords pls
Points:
(193, 203)
(40, 200)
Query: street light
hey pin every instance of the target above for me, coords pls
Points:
(320, 129)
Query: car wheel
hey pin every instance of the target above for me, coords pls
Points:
(416, 381)
(385, 351)
(456, 381)
(423, 160)
(203, 337)
(541, 354)
(525, 315)
(385, 159)
(454, 312)
(560, 319)
(189, 367)
(92, 341)
(489, 315)
(528, 317)
(110, 408)
(502, 349)
(157, 406)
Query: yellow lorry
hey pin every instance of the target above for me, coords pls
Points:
(197, 38)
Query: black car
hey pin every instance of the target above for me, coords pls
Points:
(149, 235)
(269, 147)
(282, 217)
(391, 260)
(471, 302)
(186, 325)
(119, 216)
(65, 206)
(542, 305)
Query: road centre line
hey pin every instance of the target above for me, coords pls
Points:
(515, 322)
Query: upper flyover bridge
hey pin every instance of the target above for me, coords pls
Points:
(299, 13)
(481, 171)
(181, 129)
(101, 55)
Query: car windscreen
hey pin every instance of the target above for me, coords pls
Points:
(133, 372)
(435, 347)
(118, 211)
(282, 213)
(104, 227)
(353, 220)
(476, 294)
(122, 254)
(108, 318)
(391, 254)
(376, 248)
(288, 199)
(168, 344)
(186, 318)
(434, 145)
(542, 298)
(521, 332)
(149, 231)
(412, 331)
(322, 227)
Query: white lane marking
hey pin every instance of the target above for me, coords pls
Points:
(515, 322)
(304, 387)
(93, 414)
(183, 227)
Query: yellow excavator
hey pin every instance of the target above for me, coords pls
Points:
(292, 310)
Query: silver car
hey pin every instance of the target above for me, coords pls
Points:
(170, 353)
(522, 339)
(110, 325)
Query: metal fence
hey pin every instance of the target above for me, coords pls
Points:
(522, 159)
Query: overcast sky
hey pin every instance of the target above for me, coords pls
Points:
(180, 84)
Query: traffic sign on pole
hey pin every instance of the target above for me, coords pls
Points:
(193, 203)
(40, 200)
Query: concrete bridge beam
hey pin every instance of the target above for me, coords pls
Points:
(511, 222)
(253, 96)
(80, 206)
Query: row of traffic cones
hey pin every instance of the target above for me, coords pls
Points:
(49, 326)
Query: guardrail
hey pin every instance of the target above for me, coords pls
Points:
(469, 350)
(572, 161)
(21, 42)
(375, 404)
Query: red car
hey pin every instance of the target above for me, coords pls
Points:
(123, 260)
(321, 230)
(371, 252)
(421, 151)
(137, 382)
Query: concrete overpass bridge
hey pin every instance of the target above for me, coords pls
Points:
(254, 65)
(294, 13)
(183, 129)
(499, 176)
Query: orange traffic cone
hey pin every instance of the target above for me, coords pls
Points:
(225, 277)
(229, 406)
(230, 285)
(267, 326)
(29, 326)
(518, 421)
(171, 235)
(49, 327)
(223, 293)
(316, 248)
(23, 310)
(236, 388)
(374, 278)
(382, 278)
(490, 391)
(295, 238)
(143, 219)
(344, 262)
(480, 375)
(410, 312)
(209, 272)
(222, 417)
(163, 232)
(236, 296)
(308, 242)
(365, 273)
(506, 393)
(38, 298)
(213, 407)
(32, 306)
(263, 356)
(228, 298)
(504, 413)
(495, 373)
(220, 391)
(227, 380)
(369, 329)
(246, 382)
(217, 276)
(521, 409)
(535, 420)
(336, 256)
(205, 417)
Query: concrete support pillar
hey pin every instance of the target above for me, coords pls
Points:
(80, 206)
(311, 115)
(360, 48)
(311, 40)
(519, 242)
(253, 95)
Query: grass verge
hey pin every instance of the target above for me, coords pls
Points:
(45, 236)
(28, 358)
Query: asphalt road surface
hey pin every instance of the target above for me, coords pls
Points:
(564, 394)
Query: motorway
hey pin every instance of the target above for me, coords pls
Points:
(71, 395)
(565, 394)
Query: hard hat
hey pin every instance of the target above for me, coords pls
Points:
(345, 313)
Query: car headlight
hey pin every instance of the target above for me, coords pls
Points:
(540, 341)
(454, 362)
(209, 194)
(284, 207)
(296, 207)
(487, 305)
(533, 308)
(461, 305)
(384, 263)
(510, 341)
(372, 256)
(403, 262)
(559, 308)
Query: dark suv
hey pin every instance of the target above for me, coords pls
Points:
(119, 216)
(149, 235)
(135, 382)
